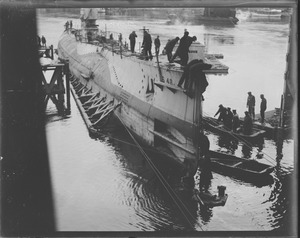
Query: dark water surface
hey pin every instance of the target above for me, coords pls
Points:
(106, 184)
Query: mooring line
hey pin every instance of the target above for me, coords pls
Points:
(162, 179)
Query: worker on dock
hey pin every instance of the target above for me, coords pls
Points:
(147, 45)
(157, 45)
(71, 24)
(170, 46)
(248, 124)
(132, 37)
(263, 108)
(251, 105)
(235, 121)
(222, 111)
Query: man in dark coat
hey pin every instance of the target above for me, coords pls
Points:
(170, 46)
(263, 108)
(147, 44)
(132, 37)
(222, 111)
(247, 125)
(157, 45)
(196, 74)
(185, 76)
(182, 44)
(183, 48)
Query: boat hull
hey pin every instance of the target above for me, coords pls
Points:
(243, 169)
(160, 116)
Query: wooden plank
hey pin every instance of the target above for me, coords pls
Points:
(156, 3)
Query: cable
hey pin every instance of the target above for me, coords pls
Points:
(161, 178)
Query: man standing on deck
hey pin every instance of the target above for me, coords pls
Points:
(157, 45)
(183, 48)
(169, 47)
(132, 37)
(251, 105)
(263, 108)
(147, 44)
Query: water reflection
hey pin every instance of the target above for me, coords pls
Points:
(205, 213)
(228, 142)
(156, 191)
(220, 39)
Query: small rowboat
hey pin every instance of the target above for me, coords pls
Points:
(207, 199)
(243, 169)
(217, 127)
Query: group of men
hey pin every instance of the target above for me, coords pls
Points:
(182, 50)
(41, 41)
(146, 45)
(251, 106)
(68, 25)
(231, 119)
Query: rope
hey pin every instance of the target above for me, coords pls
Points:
(162, 179)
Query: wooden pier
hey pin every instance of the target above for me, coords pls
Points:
(56, 89)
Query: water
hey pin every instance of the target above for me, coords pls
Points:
(106, 184)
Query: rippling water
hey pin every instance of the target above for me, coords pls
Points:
(106, 184)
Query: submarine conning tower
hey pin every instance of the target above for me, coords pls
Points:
(89, 28)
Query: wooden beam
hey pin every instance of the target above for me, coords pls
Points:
(154, 4)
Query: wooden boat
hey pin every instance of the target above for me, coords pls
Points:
(214, 125)
(244, 169)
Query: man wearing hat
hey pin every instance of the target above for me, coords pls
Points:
(251, 105)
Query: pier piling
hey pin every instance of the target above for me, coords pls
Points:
(55, 89)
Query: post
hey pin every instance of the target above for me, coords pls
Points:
(51, 49)
(67, 73)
